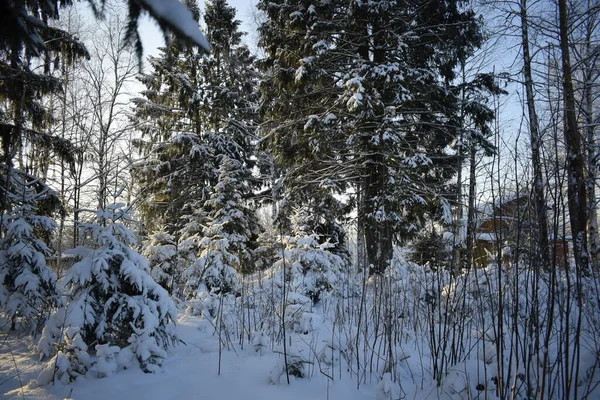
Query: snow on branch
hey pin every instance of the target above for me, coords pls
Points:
(178, 17)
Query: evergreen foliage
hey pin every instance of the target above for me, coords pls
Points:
(197, 120)
(175, 181)
(27, 284)
(24, 24)
(305, 261)
(360, 97)
(229, 217)
(196, 108)
(112, 297)
(161, 252)
(29, 49)
(230, 236)
(432, 249)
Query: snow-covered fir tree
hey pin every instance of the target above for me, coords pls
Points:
(230, 217)
(161, 252)
(205, 104)
(230, 236)
(348, 83)
(27, 285)
(304, 261)
(112, 299)
(198, 114)
(27, 150)
(197, 111)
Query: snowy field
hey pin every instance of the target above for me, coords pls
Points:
(190, 372)
(391, 338)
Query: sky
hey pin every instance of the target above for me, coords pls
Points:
(152, 36)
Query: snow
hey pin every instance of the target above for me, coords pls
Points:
(214, 361)
(486, 236)
(179, 16)
(189, 371)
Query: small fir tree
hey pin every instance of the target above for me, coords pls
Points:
(161, 252)
(311, 268)
(112, 297)
(27, 284)
(231, 233)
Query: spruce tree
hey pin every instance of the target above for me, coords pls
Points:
(29, 50)
(161, 252)
(291, 36)
(112, 299)
(230, 236)
(368, 104)
(27, 285)
(197, 112)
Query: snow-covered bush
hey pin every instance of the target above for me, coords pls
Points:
(107, 360)
(27, 284)
(112, 297)
(71, 360)
(161, 252)
(308, 266)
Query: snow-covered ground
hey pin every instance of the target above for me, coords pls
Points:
(404, 331)
(190, 372)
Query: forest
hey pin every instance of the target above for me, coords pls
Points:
(383, 199)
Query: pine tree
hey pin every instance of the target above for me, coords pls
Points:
(368, 104)
(112, 299)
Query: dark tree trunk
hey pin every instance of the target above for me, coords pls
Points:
(590, 68)
(575, 161)
(471, 226)
(539, 198)
(378, 231)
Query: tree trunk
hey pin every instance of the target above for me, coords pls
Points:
(576, 185)
(539, 199)
(378, 231)
(592, 150)
(457, 226)
(457, 259)
(471, 225)
(360, 227)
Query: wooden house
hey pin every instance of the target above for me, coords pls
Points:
(506, 222)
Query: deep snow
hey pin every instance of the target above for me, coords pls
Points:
(190, 372)
(462, 312)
